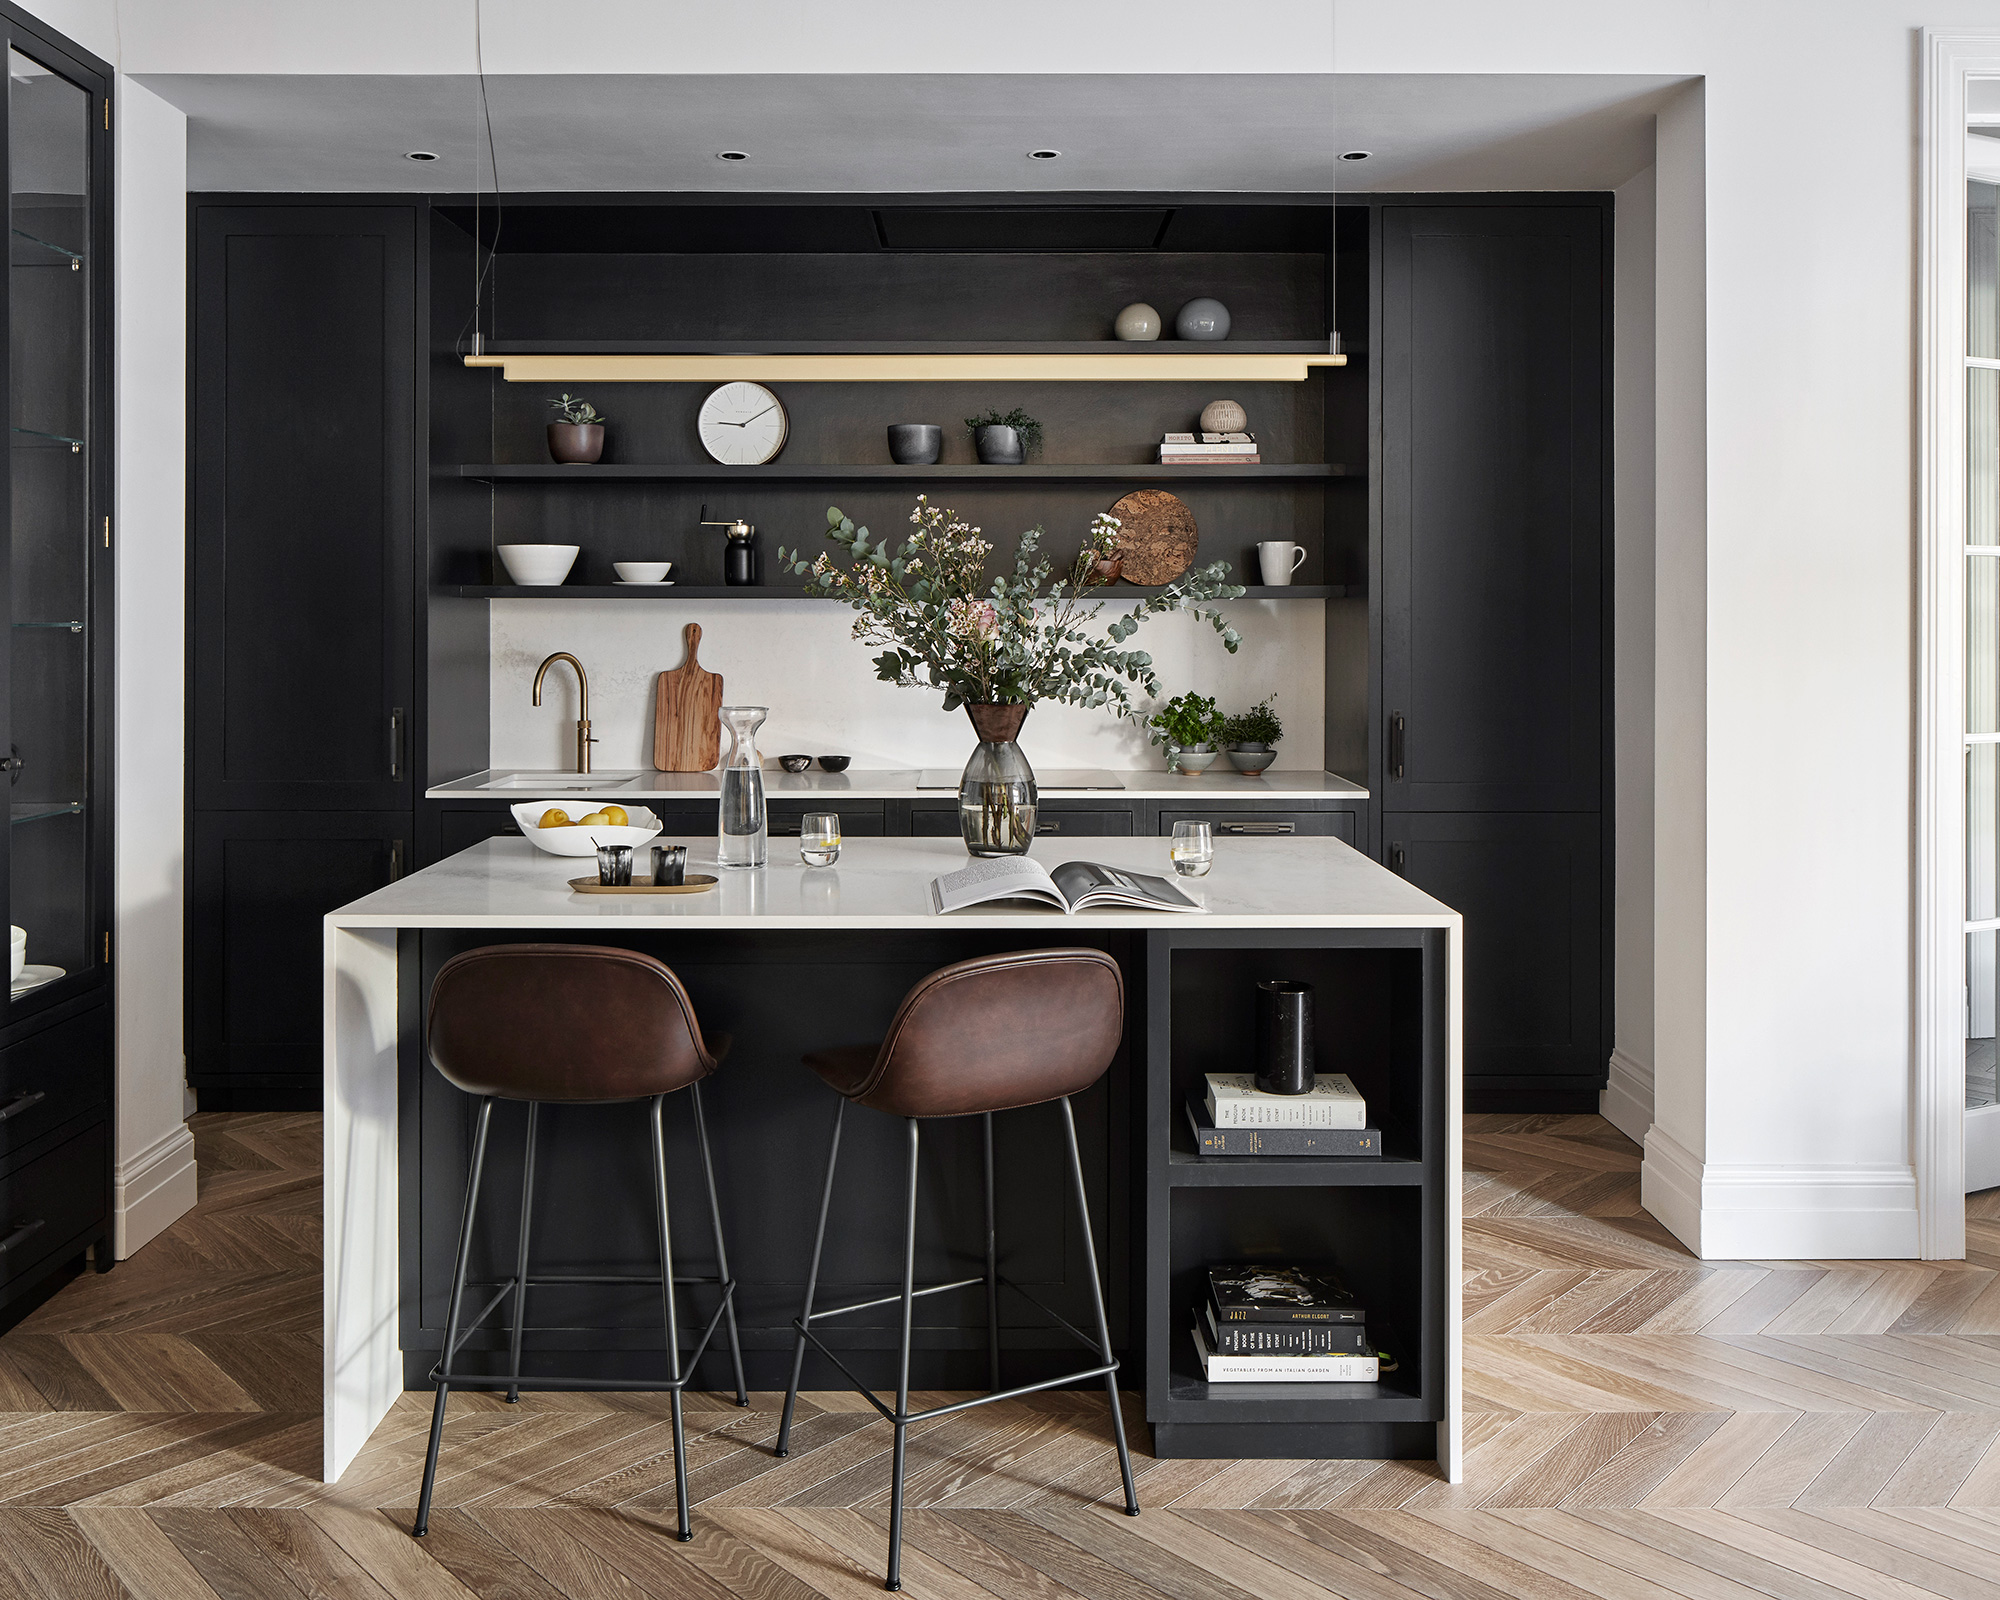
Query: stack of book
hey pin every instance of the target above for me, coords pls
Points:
(1231, 1116)
(1270, 1324)
(1209, 450)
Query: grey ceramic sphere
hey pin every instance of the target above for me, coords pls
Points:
(1202, 319)
(1137, 323)
(1224, 416)
(915, 444)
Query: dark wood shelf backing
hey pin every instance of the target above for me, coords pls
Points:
(1137, 349)
(1187, 1170)
(887, 471)
(693, 591)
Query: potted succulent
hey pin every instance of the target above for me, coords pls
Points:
(1004, 438)
(1190, 727)
(577, 438)
(1252, 736)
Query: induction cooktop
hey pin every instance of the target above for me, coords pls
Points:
(1055, 778)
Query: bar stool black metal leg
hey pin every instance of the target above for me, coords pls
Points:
(686, 1530)
(1097, 1304)
(721, 1249)
(464, 1262)
(812, 1282)
(903, 1370)
(521, 1258)
(992, 1271)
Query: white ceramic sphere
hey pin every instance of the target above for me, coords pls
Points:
(1137, 323)
(1202, 318)
(1224, 416)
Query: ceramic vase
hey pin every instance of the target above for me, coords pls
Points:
(999, 446)
(996, 796)
(576, 444)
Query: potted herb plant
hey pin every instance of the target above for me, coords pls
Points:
(1252, 737)
(1004, 439)
(997, 645)
(577, 437)
(1190, 726)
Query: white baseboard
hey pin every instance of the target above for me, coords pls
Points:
(1792, 1213)
(153, 1190)
(1626, 1101)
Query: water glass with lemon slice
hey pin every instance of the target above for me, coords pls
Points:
(819, 838)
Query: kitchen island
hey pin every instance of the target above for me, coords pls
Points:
(785, 959)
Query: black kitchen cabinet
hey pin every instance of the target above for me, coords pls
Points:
(258, 885)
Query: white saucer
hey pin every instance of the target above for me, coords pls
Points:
(33, 977)
(657, 583)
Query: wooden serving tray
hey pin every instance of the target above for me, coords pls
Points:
(696, 883)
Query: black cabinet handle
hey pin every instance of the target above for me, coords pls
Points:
(396, 742)
(1395, 858)
(395, 859)
(1396, 746)
(20, 1233)
(1256, 827)
(21, 1102)
(1048, 827)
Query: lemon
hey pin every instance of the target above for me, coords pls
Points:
(554, 817)
(617, 816)
(596, 819)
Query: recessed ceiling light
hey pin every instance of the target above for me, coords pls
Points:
(732, 155)
(1043, 155)
(1355, 155)
(420, 155)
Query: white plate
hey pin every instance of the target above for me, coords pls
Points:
(33, 977)
(657, 583)
(582, 841)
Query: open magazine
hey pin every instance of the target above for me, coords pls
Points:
(1073, 886)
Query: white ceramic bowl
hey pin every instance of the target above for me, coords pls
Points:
(575, 841)
(19, 938)
(538, 565)
(641, 571)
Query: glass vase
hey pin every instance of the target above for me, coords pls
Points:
(743, 829)
(996, 796)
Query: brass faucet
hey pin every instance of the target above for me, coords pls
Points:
(583, 738)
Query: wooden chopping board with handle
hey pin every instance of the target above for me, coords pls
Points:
(687, 730)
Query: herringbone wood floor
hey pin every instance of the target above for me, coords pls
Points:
(1641, 1425)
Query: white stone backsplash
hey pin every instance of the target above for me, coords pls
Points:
(798, 657)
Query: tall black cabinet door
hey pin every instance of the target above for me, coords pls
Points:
(259, 885)
(300, 566)
(1494, 499)
(1529, 888)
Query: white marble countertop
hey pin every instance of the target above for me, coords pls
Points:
(885, 883)
(899, 784)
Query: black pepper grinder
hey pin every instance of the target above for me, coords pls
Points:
(1284, 1036)
(739, 555)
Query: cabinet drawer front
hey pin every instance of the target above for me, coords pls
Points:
(58, 1074)
(47, 1203)
(941, 822)
(1267, 824)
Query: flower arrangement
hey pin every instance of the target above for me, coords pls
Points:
(1016, 639)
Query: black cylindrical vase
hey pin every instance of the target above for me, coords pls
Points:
(1284, 1036)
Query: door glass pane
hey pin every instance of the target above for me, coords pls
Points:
(1982, 259)
(1981, 952)
(48, 135)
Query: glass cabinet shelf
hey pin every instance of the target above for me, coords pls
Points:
(35, 436)
(36, 810)
(58, 255)
(73, 627)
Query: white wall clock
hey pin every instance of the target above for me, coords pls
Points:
(743, 424)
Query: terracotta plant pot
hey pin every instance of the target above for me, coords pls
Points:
(576, 444)
(1105, 569)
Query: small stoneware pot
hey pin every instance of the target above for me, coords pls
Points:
(1251, 759)
(999, 446)
(795, 763)
(1105, 569)
(1191, 763)
(915, 444)
(576, 444)
(834, 763)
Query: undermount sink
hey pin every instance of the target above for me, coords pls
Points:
(562, 782)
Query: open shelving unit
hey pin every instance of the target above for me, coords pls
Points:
(890, 472)
(1113, 596)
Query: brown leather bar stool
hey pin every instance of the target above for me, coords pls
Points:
(572, 1025)
(996, 1034)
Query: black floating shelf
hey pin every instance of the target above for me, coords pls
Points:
(888, 472)
(1137, 349)
(1118, 594)
(1186, 1170)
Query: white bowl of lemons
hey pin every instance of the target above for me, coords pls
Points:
(576, 832)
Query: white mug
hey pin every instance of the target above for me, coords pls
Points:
(1279, 559)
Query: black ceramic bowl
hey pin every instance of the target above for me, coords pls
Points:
(915, 444)
(834, 763)
(795, 763)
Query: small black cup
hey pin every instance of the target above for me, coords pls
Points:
(614, 865)
(915, 444)
(1284, 1036)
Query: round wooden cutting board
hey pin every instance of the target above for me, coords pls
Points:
(1156, 536)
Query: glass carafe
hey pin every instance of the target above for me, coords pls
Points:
(743, 830)
(996, 796)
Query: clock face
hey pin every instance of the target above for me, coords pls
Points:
(743, 425)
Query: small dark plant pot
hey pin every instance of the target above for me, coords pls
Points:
(915, 444)
(1105, 569)
(1251, 759)
(576, 444)
(834, 763)
(795, 763)
(998, 446)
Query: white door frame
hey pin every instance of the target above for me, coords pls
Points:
(1949, 58)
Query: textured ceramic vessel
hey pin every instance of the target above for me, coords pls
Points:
(999, 446)
(1192, 763)
(996, 796)
(1137, 323)
(576, 444)
(1251, 759)
(1224, 416)
(1202, 318)
(915, 444)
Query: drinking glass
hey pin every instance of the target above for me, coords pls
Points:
(614, 865)
(819, 838)
(1193, 849)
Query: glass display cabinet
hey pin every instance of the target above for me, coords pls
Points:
(56, 1040)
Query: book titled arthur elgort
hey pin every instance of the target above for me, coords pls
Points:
(1281, 1294)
